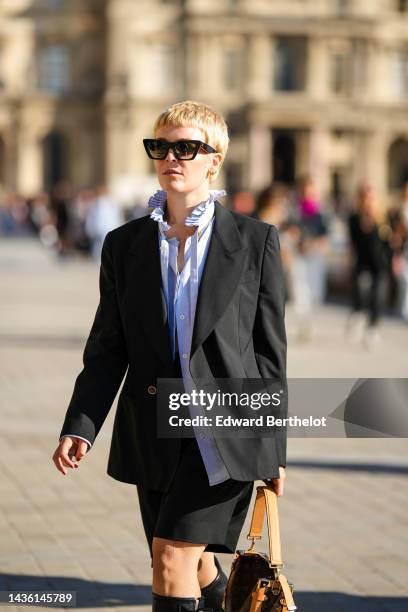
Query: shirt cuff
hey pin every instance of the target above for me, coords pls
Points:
(75, 436)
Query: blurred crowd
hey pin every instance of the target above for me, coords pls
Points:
(364, 240)
(357, 252)
(69, 221)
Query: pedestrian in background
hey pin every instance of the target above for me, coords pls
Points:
(368, 238)
(398, 222)
(102, 216)
(401, 262)
(60, 205)
(306, 239)
(272, 206)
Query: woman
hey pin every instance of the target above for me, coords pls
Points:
(368, 234)
(191, 291)
(271, 205)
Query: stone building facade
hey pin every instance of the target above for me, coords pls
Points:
(307, 86)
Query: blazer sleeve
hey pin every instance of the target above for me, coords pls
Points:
(105, 360)
(269, 334)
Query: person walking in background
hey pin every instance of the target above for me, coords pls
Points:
(82, 205)
(315, 230)
(153, 322)
(271, 205)
(397, 219)
(60, 204)
(369, 243)
(102, 216)
(403, 261)
(306, 238)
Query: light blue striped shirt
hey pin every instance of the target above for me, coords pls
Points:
(181, 292)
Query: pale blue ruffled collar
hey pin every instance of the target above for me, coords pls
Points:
(158, 203)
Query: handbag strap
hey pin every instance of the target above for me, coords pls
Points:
(287, 593)
(266, 499)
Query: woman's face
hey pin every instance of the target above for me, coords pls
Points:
(184, 176)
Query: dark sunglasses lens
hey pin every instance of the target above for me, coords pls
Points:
(158, 148)
(185, 149)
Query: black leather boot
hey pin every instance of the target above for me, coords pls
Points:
(213, 593)
(162, 603)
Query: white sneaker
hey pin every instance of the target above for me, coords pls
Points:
(355, 327)
(372, 338)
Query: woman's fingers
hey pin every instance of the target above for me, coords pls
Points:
(66, 445)
(58, 463)
(68, 454)
(81, 448)
(277, 484)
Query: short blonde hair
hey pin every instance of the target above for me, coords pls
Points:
(190, 113)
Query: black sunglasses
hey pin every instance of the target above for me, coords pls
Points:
(157, 148)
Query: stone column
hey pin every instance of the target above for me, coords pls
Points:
(117, 143)
(87, 154)
(260, 67)
(319, 161)
(29, 164)
(317, 74)
(374, 164)
(379, 84)
(260, 157)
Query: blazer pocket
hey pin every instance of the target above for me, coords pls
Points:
(249, 275)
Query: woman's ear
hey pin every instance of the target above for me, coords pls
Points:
(215, 167)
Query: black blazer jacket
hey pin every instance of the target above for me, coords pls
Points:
(239, 332)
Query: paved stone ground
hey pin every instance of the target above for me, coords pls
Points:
(344, 513)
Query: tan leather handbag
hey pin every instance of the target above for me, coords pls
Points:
(255, 583)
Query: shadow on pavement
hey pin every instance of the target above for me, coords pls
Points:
(377, 468)
(338, 602)
(42, 341)
(94, 594)
(89, 593)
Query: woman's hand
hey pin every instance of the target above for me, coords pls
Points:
(277, 484)
(68, 453)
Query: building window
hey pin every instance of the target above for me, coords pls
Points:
(341, 7)
(399, 72)
(54, 69)
(232, 69)
(290, 63)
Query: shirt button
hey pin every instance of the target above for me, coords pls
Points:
(202, 436)
(185, 355)
(182, 317)
(152, 390)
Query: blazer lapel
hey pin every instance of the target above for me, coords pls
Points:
(222, 270)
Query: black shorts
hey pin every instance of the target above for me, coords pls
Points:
(192, 511)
